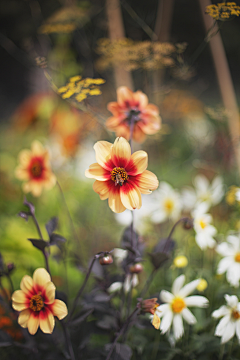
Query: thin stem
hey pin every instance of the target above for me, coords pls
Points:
(45, 254)
(68, 340)
(82, 287)
(148, 282)
(132, 123)
(10, 282)
(165, 248)
(121, 332)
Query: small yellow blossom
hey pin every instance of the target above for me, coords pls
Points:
(180, 261)
(223, 11)
(231, 195)
(202, 285)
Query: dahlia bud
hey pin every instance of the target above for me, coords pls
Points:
(136, 268)
(106, 260)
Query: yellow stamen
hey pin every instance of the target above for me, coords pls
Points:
(168, 204)
(119, 175)
(202, 224)
(178, 304)
(36, 303)
(237, 257)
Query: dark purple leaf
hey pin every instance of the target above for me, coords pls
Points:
(52, 225)
(39, 244)
(56, 239)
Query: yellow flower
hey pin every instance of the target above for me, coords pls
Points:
(180, 261)
(121, 177)
(202, 285)
(223, 11)
(37, 304)
(231, 195)
(35, 169)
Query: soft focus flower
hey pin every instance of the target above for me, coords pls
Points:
(233, 195)
(133, 107)
(204, 230)
(131, 281)
(211, 194)
(119, 255)
(121, 177)
(231, 259)
(202, 285)
(229, 325)
(180, 261)
(35, 169)
(223, 11)
(37, 304)
(176, 306)
(166, 204)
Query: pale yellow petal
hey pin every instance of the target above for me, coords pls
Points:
(51, 181)
(101, 188)
(138, 163)
(146, 181)
(27, 187)
(36, 188)
(21, 173)
(50, 292)
(121, 152)
(124, 94)
(46, 321)
(59, 309)
(115, 203)
(103, 153)
(26, 284)
(19, 297)
(37, 148)
(97, 172)
(130, 196)
(33, 323)
(41, 277)
(24, 317)
(25, 157)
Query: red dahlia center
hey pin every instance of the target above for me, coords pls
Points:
(119, 176)
(36, 168)
(36, 303)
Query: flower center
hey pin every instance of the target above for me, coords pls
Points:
(168, 204)
(178, 304)
(36, 303)
(237, 257)
(36, 168)
(235, 314)
(119, 175)
(202, 224)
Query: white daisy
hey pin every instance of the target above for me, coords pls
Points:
(204, 230)
(166, 203)
(212, 193)
(231, 260)
(130, 282)
(229, 325)
(176, 306)
(119, 255)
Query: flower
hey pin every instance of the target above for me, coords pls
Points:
(133, 107)
(121, 177)
(233, 195)
(212, 193)
(180, 261)
(223, 11)
(230, 323)
(176, 306)
(119, 255)
(166, 204)
(35, 169)
(202, 285)
(37, 304)
(231, 259)
(204, 230)
(150, 306)
(130, 282)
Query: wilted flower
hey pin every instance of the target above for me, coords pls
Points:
(223, 11)
(202, 285)
(180, 261)
(229, 325)
(133, 107)
(176, 306)
(166, 204)
(150, 306)
(35, 169)
(37, 304)
(231, 259)
(204, 230)
(121, 177)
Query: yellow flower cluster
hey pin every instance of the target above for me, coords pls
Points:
(223, 11)
(132, 55)
(231, 195)
(81, 88)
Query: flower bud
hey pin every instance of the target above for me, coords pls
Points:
(188, 224)
(136, 268)
(148, 305)
(106, 260)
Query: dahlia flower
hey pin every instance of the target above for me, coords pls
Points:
(121, 177)
(133, 106)
(35, 169)
(37, 304)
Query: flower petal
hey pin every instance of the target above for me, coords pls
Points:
(141, 99)
(166, 296)
(101, 188)
(233, 274)
(27, 285)
(46, 320)
(146, 182)
(121, 152)
(177, 284)
(49, 295)
(222, 325)
(25, 157)
(231, 300)
(138, 135)
(178, 329)
(188, 316)
(59, 309)
(97, 172)
(224, 264)
(222, 311)
(115, 201)
(130, 195)
(103, 154)
(138, 163)
(41, 277)
(19, 300)
(124, 95)
(37, 148)
(33, 323)
(166, 321)
(187, 289)
(24, 317)
(197, 300)
(229, 331)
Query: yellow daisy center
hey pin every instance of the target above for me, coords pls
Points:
(178, 304)
(36, 168)
(202, 223)
(119, 175)
(237, 257)
(235, 314)
(168, 204)
(36, 303)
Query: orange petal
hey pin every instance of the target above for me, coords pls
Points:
(24, 317)
(37, 148)
(103, 154)
(114, 108)
(138, 163)
(150, 124)
(97, 172)
(124, 94)
(130, 195)
(113, 122)
(121, 152)
(146, 181)
(41, 277)
(47, 321)
(114, 201)
(101, 188)
(59, 309)
(138, 135)
(123, 130)
(49, 293)
(140, 98)
(33, 322)
(27, 285)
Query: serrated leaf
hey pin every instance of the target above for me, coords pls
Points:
(39, 243)
(52, 225)
(56, 239)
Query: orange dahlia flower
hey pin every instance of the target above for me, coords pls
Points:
(35, 169)
(121, 177)
(133, 106)
(37, 304)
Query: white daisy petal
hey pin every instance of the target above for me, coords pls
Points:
(234, 241)
(189, 288)
(225, 249)
(188, 316)
(231, 300)
(224, 264)
(178, 328)
(222, 311)
(166, 296)
(228, 332)
(166, 321)
(233, 274)
(199, 301)
(222, 325)
(238, 329)
(177, 285)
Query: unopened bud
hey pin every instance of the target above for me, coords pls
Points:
(106, 260)
(136, 268)
(188, 224)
